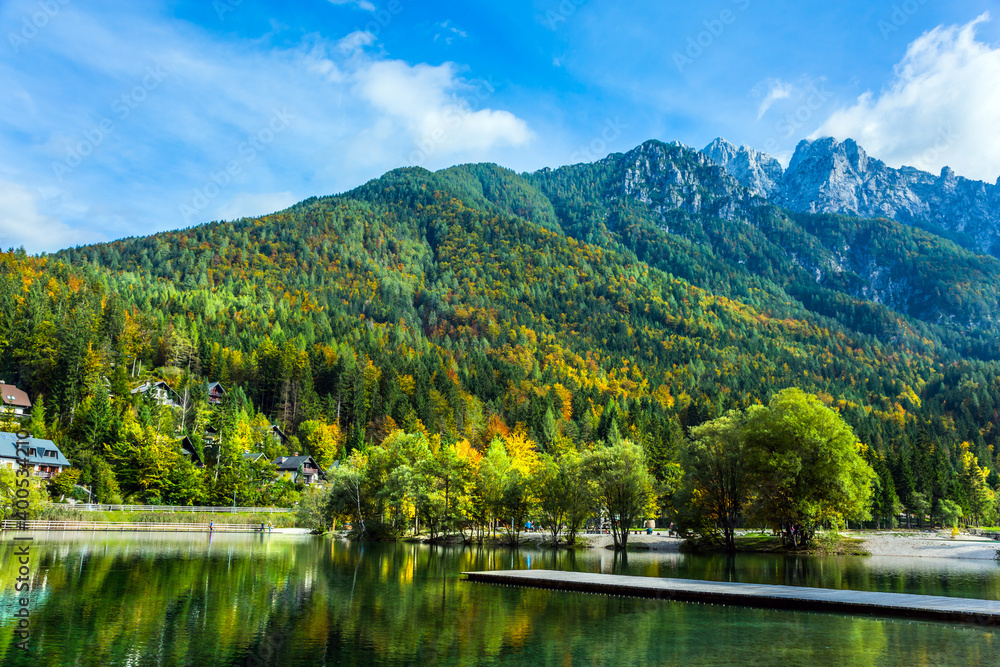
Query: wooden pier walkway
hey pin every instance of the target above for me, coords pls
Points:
(933, 607)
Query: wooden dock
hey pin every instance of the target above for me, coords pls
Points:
(932, 607)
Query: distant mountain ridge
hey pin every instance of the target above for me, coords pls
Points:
(737, 229)
(830, 176)
(678, 210)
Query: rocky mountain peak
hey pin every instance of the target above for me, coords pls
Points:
(758, 172)
(672, 176)
(830, 176)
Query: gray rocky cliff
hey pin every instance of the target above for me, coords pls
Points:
(758, 172)
(672, 177)
(829, 176)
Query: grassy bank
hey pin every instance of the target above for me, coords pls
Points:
(278, 520)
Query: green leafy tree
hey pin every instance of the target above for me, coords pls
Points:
(809, 465)
(348, 498)
(625, 489)
(445, 478)
(312, 510)
(322, 441)
(104, 483)
(547, 487)
(565, 494)
(20, 490)
(491, 481)
(63, 484)
(950, 512)
(515, 504)
(719, 481)
(919, 504)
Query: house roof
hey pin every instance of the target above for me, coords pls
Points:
(293, 462)
(214, 385)
(188, 448)
(11, 395)
(8, 450)
(253, 456)
(146, 387)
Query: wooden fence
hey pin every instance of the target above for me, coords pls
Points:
(88, 507)
(132, 526)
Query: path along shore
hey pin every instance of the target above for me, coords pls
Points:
(936, 544)
(902, 543)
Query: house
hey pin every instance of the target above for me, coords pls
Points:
(189, 450)
(44, 458)
(253, 457)
(14, 400)
(159, 392)
(216, 392)
(278, 435)
(211, 435)
(299, 469)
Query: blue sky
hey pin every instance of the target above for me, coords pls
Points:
(124, 119)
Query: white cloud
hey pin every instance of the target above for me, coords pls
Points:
(448, 32)
(775, 90)
(22, 224)
(356, 41)
(421, 99)
(363, 4)
(355, 115)
(942, 107)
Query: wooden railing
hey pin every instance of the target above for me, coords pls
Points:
(132, 526)
(96, 507)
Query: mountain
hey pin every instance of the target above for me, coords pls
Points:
(758, 172)
(680, 212)
(828, 176)
(650, 289)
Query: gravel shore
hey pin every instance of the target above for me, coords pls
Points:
(916, 544)
(903, 543)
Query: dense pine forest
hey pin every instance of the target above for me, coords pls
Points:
(640, 296)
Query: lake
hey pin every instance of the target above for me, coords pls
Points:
(191, 599)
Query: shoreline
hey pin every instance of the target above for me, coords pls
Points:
(933, 544)
(889, 543)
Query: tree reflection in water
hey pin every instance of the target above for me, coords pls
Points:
(254, 600)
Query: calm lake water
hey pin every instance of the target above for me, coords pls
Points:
(137, 600)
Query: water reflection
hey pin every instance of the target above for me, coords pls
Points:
(272, 599)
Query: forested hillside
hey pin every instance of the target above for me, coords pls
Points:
(645, 293)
